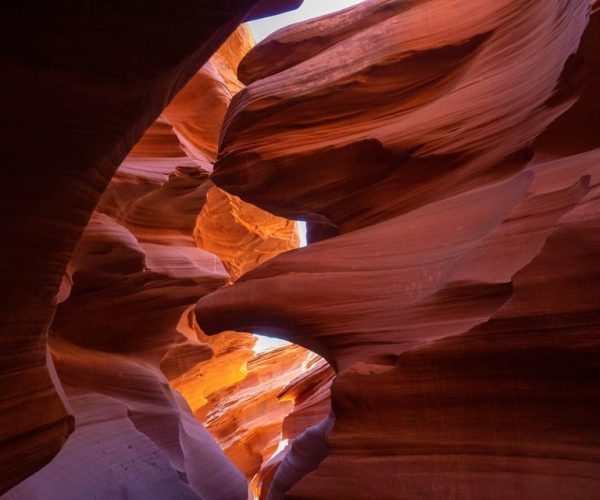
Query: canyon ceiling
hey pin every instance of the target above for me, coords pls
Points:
(443, 320)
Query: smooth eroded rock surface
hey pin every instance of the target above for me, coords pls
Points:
(443, 154)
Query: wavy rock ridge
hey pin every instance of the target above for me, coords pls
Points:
(455, 288)
(118, 335)
(446, 157)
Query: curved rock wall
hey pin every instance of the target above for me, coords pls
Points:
(82, 83)
(446, 157)
(447, 144)
(227, 224)
(114, 340)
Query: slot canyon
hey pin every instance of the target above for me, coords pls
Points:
(356, 259)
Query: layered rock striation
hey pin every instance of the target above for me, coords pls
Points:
(446, 158)
(118, 337)
(82, 83)
(455, 288)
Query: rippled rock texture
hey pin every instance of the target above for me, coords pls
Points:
(445, 157)
(109, 268)
(259, 233)
(78, 97)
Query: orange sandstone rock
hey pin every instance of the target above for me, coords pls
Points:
(242, 235)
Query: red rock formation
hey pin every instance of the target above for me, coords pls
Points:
(460, 303)
(246, 417)
(122, 403)
(226, 223)
(406, 140)
(118, 324)
(311, 395)
(446, 157)
(309, 421)
(230, 353)
(417, 256)
(137, 259)
(78, 96)
(86, 94)
(242, 399)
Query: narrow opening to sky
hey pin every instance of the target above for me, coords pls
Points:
(262, 28)
(302, 229)
(264, 343)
